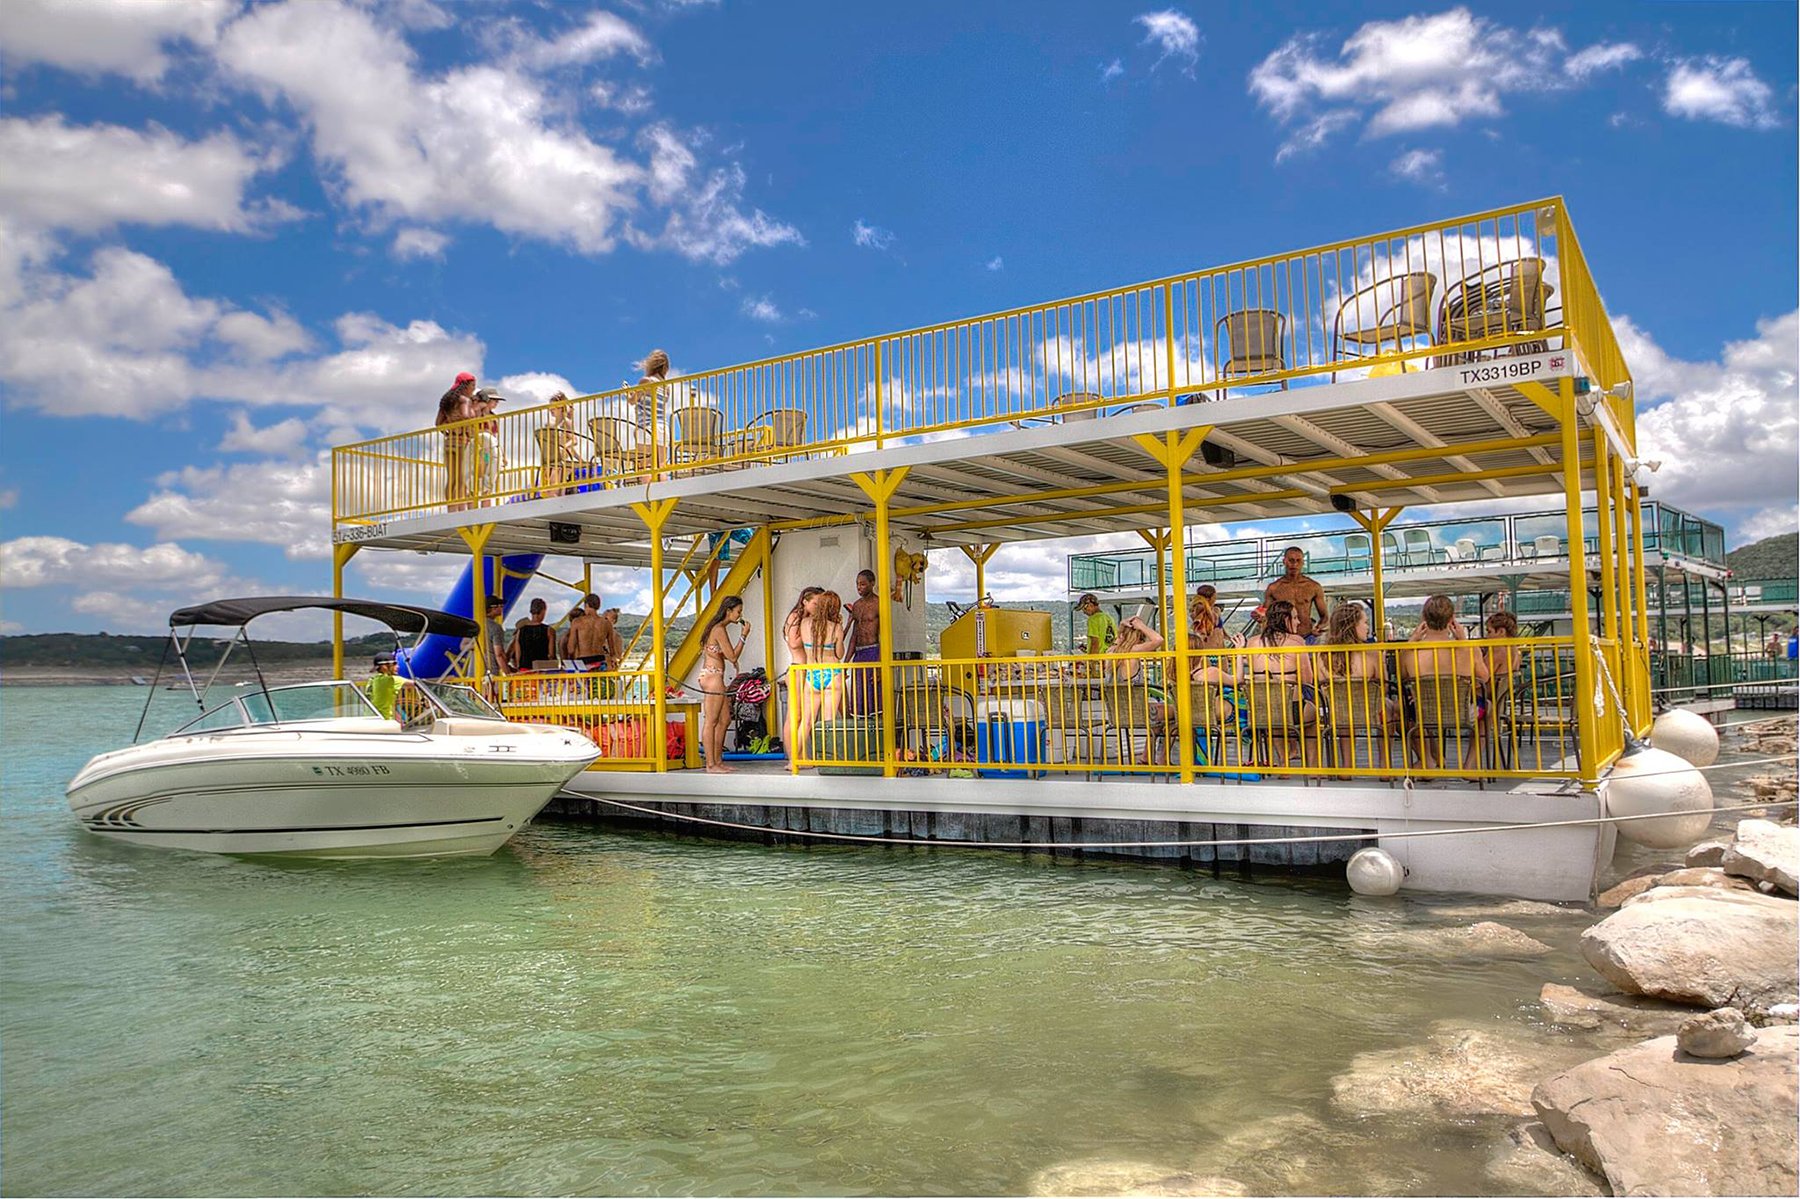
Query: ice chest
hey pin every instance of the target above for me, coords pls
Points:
(1009, 733)
(850, 739)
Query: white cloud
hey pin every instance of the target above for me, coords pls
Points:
(47, 561)
(1729, 438)
(284, 437)
(1601, 57)
(871, 237)
(996, 263)
(602, 36)
(535, 387)
(1413, 73)
(1111, 71)
(269, 502)
(632, 100)
(761, 308)
(411, 243)
(486, 143)
(1424, 167)
(260, 338)
(1173, 33)
(1719, 89)
(91, 177)
(125, 37)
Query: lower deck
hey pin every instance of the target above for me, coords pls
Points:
(1294, 825)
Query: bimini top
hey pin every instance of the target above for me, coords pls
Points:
(400, 617)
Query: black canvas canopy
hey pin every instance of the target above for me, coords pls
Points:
(400, 617)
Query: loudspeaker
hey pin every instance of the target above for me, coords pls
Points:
(564, 534)
(1217, 455)
(1343, 503)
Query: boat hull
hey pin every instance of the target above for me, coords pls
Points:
(327, 795)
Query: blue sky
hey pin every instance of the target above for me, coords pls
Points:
(233, 234)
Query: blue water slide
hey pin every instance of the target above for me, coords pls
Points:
(507, 578)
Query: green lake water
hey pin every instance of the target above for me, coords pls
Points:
(595, 1012)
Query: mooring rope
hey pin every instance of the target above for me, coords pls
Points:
(1319, 838)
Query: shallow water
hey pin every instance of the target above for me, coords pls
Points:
(587, 1012)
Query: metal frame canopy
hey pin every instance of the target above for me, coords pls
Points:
(1416, 438)
(236, 613)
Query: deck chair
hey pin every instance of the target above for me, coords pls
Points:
(1127, 711)
(1358, 551)
(556, 465)
(1274, 715)
(621, 449)
(775, 433)
(1358, 715)
(1400, 308)
(1549, 545)
(1253, 339)
(699, 434)
(1418, 546)
(1509, 297)
(1444, 711)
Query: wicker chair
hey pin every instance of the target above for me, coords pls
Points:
(621, 449)
(698, 434)
(1127, 710)
(775, 433)
(1358, 711)
(1255, 342)
(1510, 297)
(1274, 713)
(1400, 306)
(1444, 711)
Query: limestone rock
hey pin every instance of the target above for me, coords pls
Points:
(1458, 1073)
(1721, 1033)
(1699, 945)
(1129, 1178)
(1528, 1162)
(1616, 895)
(1765, 852)
(1297, 1154)
(1707, 853)
(1527, 909)
(1704, 876)
(1576, 1007)
(1483, 939)
(1656, 1122)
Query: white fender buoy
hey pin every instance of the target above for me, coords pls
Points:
(1686, 734)
(1374, 872)
(1655, 783)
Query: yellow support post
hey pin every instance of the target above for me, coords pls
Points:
(340, 557)
(1604, 545)
(655, 514)
(979, 555)
(1641, 602)
(880, 487)
(1374, 523)
(772, 705)
(1171, 451)
(476, 537)
(1586, 682)
(1159, 540)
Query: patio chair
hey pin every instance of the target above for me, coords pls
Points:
(1401, 308)
(1419, 550)
(621, 448)
(1390, 550)
(775, 432)
(1358, 713)
(1127, 711)
(1274, 714)
(698, 434)
(557, 464)
(1509, 297)
(1548, 545)
(1444, 711)
(1466, 549)
(1358, 551)
(1254, 340)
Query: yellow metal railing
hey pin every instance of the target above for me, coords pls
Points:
(615, 710)
(1508, 280)
(1488, 710)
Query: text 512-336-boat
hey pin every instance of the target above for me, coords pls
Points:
(315, 770)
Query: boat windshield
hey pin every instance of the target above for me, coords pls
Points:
(461, 701)
(296, 704)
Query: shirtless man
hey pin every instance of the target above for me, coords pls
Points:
(865, 618)
(589, 637)
(1297, 589)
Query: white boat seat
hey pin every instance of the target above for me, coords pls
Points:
(474, 726)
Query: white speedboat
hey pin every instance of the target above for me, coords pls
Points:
(316, 770)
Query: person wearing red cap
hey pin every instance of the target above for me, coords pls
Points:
(455, 408)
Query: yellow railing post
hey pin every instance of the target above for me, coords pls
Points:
(476, 537)
(880, 391)
(655, 515)
(1172, 450)
(1640, 603)
(1582, 642)
(340, 557)
(880, 487)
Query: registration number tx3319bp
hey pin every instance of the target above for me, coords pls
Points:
(1512, 370)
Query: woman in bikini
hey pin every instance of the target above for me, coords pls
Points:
(1279, 676)
(716, 649)
(1356, 685)
(821, 685)
(793, 635)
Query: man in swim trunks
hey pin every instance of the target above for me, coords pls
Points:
(589, 637)
(1297, 589)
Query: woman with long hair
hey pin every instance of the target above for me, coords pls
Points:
(1128, 692)
(1280, 681)
(1355, 682)
(793, 635)
(716, 649)
(821, 685)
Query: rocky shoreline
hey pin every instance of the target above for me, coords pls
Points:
(1670, 1070)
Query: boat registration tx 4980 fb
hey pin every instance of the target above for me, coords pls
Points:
(316, 770)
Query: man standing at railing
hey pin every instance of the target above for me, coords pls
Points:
(589, 636)
(493, 636)
(1297, 589)
(862, 641)
(457, 404)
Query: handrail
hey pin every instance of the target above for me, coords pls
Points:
(1162, 342)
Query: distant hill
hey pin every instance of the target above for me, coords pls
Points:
(1776, 557)
(139, 655)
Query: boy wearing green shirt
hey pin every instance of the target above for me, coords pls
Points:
(384, 687)
(1101, 631)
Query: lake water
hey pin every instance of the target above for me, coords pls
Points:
(589, 1012)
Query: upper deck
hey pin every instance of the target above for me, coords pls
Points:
(1418, 366)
